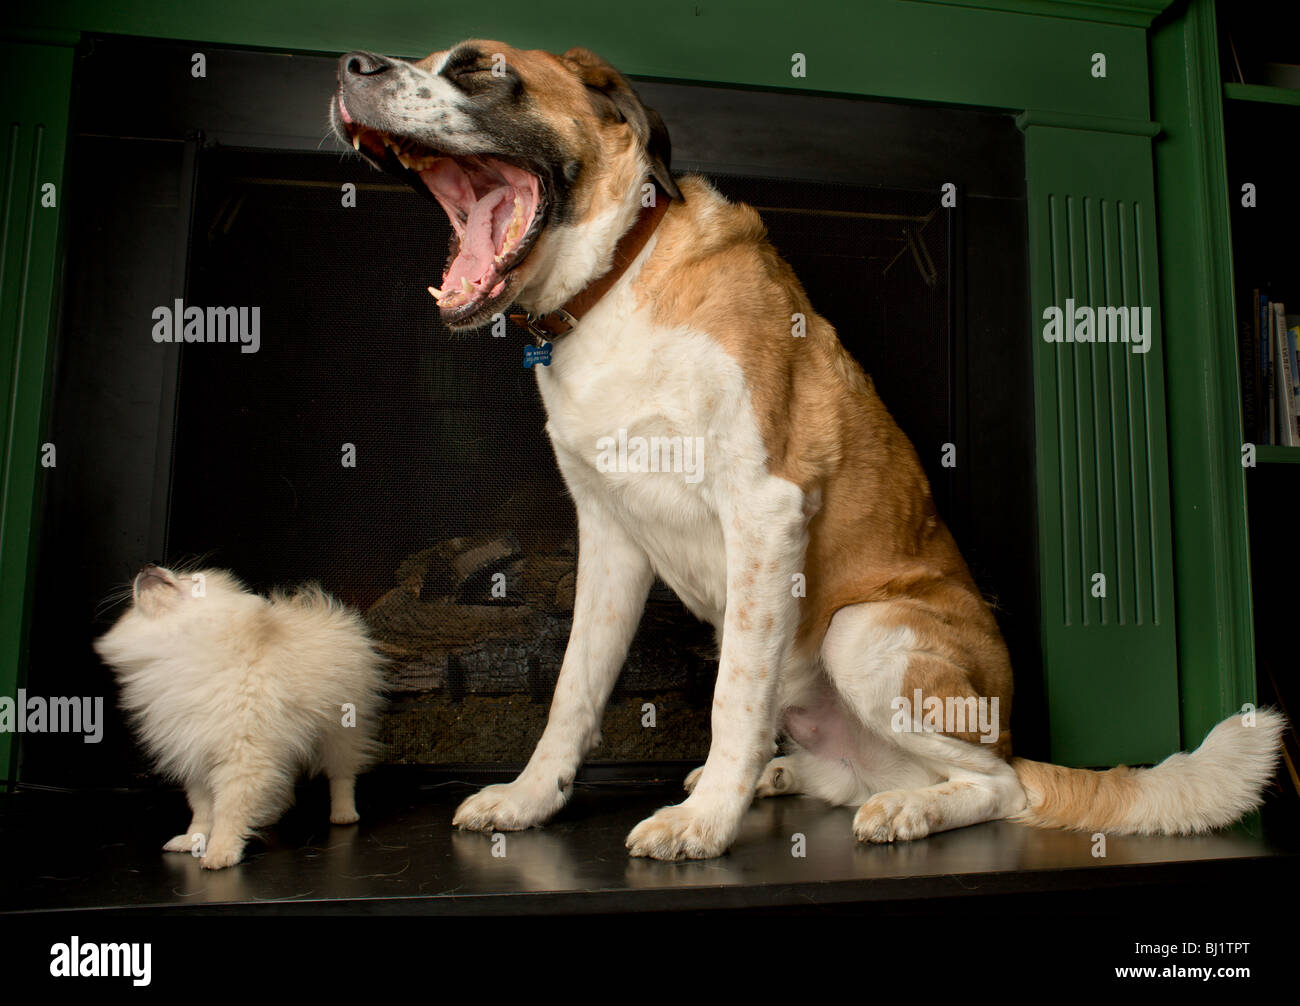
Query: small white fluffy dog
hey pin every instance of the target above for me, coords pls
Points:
(234, 695)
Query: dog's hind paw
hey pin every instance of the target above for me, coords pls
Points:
(895, 815)
(777, 779)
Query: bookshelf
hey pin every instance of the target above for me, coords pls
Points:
(1265, 253)
(1260, 64)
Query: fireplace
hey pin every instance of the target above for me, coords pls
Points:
(407, 469)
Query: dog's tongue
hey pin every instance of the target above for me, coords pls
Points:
(478, 244)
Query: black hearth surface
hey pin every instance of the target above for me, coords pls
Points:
(101, 850)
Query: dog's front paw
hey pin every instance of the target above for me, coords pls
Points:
(510, 806)
(680, 832)
(344, 815)
(895, 815)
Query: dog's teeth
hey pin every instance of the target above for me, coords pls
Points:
(513, 229)
(437, 294)
(356, 141)
(466, 287)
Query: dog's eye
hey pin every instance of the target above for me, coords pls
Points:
(469, 71)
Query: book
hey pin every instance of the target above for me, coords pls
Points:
(1291, 351)
(1291, 321)
(1248, 364)
(1269, 403)
(1283, 383)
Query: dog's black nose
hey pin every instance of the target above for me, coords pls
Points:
(363, 64)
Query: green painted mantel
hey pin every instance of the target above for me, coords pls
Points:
(1118, 183)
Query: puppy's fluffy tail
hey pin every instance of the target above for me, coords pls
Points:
(1185, 794)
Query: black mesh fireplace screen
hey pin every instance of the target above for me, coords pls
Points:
(365, 446)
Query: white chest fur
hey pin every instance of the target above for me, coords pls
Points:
(651, 421)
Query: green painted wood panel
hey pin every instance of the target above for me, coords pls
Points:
(891, 48)
(36, 84)
(1109, 660)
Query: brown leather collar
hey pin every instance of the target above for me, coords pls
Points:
(556, 323)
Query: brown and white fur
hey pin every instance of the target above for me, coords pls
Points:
(234, 695)
(805, 474)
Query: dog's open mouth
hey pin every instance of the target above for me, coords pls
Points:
(497, 211)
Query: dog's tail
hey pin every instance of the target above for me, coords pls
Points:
(1184, 795)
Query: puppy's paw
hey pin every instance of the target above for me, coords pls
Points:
(680, 832)
(692, 779)
(220, 857)
(895, 815)
(184, 843)
(344, 815)
(511, 806)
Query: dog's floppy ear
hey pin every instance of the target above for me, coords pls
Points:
(606, 82)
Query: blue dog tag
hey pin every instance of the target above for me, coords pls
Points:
(537, 354)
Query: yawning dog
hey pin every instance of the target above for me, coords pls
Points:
(809, 538)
